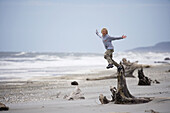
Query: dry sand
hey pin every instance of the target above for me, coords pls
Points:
(45, 94)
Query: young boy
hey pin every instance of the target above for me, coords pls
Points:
(107, 41)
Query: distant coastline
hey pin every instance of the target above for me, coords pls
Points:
(159, 47)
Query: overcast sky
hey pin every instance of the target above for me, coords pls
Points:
(69, 25)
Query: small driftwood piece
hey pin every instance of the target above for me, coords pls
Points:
(121, 95)
(103, 99)
(76, 94)
(151, 111)
(74, 83)
(3, 107)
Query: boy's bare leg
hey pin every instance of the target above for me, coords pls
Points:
(114, 62)
(108, 57)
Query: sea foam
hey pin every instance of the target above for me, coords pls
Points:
(26, 65)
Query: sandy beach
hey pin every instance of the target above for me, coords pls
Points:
(84, 56)
(45, 94)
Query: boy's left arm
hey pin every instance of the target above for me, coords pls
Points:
(118, 38)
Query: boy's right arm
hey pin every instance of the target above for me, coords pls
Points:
(97, 33)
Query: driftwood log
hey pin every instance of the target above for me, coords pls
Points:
(121, 95)
(102, 78)
(130, 67)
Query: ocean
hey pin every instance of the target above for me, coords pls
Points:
(16, 65)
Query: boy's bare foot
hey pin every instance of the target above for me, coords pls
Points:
(110, 66)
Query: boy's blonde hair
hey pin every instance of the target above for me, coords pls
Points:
(105, 30)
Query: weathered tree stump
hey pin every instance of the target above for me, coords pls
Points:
(143, 80)
(121, 95)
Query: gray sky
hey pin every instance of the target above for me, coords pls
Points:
(69, 25)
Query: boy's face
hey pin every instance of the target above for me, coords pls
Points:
(104, 32)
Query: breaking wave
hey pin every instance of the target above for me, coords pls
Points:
(23, 64)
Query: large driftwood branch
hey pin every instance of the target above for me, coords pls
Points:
(121, 95)
(130, 67)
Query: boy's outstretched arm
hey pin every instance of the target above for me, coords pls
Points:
(97, 33)
(118, 38)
